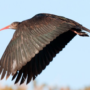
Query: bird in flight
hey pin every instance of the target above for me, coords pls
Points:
(34, 44)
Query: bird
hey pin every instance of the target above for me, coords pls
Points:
(35, 43)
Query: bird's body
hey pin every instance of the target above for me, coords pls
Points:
(34, 44)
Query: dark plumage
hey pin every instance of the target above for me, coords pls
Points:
(34, 44)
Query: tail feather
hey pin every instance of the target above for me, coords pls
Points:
(86, 29)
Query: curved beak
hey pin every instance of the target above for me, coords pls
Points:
(7, 27)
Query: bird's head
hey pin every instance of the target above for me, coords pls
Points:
(14, 25)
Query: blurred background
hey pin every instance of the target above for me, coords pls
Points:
(70, 69)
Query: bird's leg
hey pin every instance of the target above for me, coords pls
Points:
(80, 33)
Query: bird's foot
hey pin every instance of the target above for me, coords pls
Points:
(80, 33)
(83, 34)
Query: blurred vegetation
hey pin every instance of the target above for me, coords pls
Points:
(13, 88)
(37, 87)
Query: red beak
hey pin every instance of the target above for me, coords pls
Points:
(7, 27)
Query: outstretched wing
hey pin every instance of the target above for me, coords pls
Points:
(30, 49)
(43, 58)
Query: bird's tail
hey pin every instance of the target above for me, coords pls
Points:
(86, 29)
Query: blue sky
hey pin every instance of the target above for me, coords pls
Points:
(71, 67)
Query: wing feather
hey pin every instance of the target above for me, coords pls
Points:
(18, 76)
(15, 75)
(29, 74)
(3, 74)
